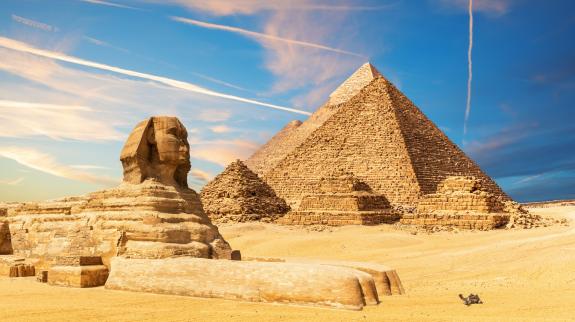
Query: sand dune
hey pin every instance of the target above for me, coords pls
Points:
(520, 275)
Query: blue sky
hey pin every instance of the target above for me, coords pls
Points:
(76, 76)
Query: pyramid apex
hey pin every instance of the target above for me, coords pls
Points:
(353, 84)
(372, 68)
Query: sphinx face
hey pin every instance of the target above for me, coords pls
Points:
(171, 140)
(157, 148)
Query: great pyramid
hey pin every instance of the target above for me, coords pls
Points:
(378, 135)
(238, 194)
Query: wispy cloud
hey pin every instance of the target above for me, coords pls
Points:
(298, 38)
(23, 47)
(223, 152)
(102, 43)
(88, 167)
(34, 24)
(44, 162)
(296, 66)
(227, 7)
(27, 119)
(221, 82)
(12, 182)
(110, 4)
(200, 175)
(263, 36)
(210, 115)
(222, 128)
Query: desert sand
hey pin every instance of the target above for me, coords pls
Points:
(521, 275)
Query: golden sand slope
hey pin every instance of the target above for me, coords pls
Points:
(521, 275)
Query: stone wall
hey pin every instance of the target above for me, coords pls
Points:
(459, 220)
(335, 218)
(344, 202)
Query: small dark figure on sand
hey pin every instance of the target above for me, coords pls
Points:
(471, 299)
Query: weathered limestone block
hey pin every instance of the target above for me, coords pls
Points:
(342, 200)
(15, 266)
(78, 276)
(238, 195)
(288, 283)
(42, 277)
(152, 214)
(5, 236)
(386, 279)
(78, 271)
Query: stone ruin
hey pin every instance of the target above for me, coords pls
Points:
(150, 234)
(238, 195)
(152, 214)
(370, 129)
(342, 200)
(461, 202)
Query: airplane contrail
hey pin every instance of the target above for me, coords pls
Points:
(23, 47)
(469, 67)
(110, 4)
(259, 35)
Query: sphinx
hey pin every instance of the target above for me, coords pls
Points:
(151, 214)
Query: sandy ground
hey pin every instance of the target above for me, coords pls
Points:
(521, 275)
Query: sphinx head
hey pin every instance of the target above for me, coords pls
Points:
(157, 148)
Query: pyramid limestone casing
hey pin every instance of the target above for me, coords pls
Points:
(385, 141)
(295, 132)
(238, 194)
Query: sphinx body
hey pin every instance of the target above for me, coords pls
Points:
(152, 214)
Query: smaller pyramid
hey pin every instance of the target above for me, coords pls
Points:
(238, 195)
(341, 199)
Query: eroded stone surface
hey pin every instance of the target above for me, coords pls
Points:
(152, 214)
(78, 276)
(15, 266)
(288, 283)
(157, 148)
(238, 195)
(386, 279)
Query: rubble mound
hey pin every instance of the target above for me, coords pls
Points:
(239, 195)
